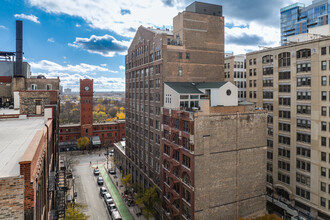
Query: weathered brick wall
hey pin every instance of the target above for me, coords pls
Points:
(230, 165)
(28, 100)
(42, 83)
(12, 198)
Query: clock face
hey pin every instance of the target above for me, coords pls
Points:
(86, 88)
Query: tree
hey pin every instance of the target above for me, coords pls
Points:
(76, 212)
(113, 112)
(147, 201)
(120, 115)
(99, 108)
(127, 179)
(82, 143)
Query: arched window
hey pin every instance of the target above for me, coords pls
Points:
(304, 53)
(267, 59)
(284, 59)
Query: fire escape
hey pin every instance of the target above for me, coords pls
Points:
(58, 185)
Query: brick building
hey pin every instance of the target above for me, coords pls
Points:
(193, 52)
(29, 154)
(100, 134)
(208, 142)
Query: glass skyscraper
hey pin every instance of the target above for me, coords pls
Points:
(298, 18)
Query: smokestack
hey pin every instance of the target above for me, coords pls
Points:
(19, 49)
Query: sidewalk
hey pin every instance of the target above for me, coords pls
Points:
(121, 189)
(124, 212)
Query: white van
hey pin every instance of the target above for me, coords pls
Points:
(116, 215)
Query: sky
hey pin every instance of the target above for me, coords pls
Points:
(75, 39)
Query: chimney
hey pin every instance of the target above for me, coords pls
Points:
(19, 49)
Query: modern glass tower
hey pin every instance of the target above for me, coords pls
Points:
(298, 18)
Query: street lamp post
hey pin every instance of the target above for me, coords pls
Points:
(107, 156)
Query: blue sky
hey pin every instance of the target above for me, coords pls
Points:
(89, 38)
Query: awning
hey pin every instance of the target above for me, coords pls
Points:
(96, 140)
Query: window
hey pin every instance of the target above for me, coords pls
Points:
(284, 140)
(284, 59)
(324, 96)
(186, 161)
(284, 88)
(323, 50)
(323, 80)
(323, 157)
(324, 65)
(180, 55)
(302, 179)
(303, 81)
(323, 201)
(267, 95)
(323, 141)
(34, 87)
(180, 71)
(324, 126)
(323, 171)
(267, 59)
(285, 101)
(284, 114)
(187, 56)
(303, 165)
(303, 151)
(284, 152)
(303, 193)
(304, 109)
(48, 87)
(303, 137)
(303, 67)
(304, 53)
(284, 127)
(267, 71)
(303, 123)
(324, 111)
(284, 75)
(284, 178)
(303, 95)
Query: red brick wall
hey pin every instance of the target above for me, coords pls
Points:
(11, 198)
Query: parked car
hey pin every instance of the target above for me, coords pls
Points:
(115, 215)
(112, 170)
(112, 208)
(103, 191)
(108, 199)
(100, 181)
(96, 172)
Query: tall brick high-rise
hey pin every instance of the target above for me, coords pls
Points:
(192, 52)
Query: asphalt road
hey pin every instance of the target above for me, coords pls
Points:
(86, 185)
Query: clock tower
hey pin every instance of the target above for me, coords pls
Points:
(86, 107)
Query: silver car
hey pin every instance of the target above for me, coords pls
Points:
(108, 199)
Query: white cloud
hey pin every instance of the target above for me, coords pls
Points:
(106, 14)
(28, 17)
(103, 64)
(50, 66)
(78, 25)
(100, 83)
(121, 67)
(106, 45)
(51, 40)
(3, 27)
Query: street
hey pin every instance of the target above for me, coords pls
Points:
(86, 186)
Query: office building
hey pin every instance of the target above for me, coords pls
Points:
(300, 19)
(193, 51)
(235, 72)
(292, 82)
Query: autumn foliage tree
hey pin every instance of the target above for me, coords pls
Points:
(76, 212)
(82, 143)
(147, 201)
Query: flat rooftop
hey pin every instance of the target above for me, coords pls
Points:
(15, 137)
